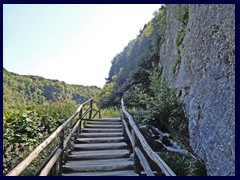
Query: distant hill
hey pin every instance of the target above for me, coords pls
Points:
(21, 90)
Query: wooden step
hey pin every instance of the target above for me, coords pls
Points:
(107, 173)
(102, 126)
(107, 120)
(100, 146)
(98, 154)
(104, 122)
(92, 130)
(91, 135)
(98, 165)
(100, 140)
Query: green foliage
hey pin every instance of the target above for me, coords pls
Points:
(23, 91)
(110, 112)
(130, 69)
(105, 95)
(25, 130)
(184, 165)
(180, 37)
(33, 107)
(162, 102)
(136, 96)
(182, 14)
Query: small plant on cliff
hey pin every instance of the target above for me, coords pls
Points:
(182, 14)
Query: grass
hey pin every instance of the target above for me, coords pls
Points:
(110, 112)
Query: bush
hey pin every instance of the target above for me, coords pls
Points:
(25, 130)
(161, 104)
(184, 165)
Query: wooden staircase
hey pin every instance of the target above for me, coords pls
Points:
(100, 150)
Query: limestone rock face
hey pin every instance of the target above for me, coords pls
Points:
(202, 69)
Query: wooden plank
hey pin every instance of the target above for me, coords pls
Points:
(104, 122)
(95, 109)
(101, 126)
(90, 112)
(95, 114)
(152, 155)
(100, 146)
(97, 162)
(71, 133)
(128, 132)
(107, 120)
(100, 140)
(137, 166)
(98, 154)
(51, 163)
(98, 165)
(85, 113)
(100, 130)
(143, 162)
(100, 135)
(46, 161)
(110, 173)
(61, 146)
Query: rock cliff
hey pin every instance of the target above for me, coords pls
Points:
(198, 59)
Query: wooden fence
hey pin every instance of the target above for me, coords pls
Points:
(74, 124)
(144, 156)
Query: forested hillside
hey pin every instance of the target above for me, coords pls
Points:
(130, 70)
(21, 91)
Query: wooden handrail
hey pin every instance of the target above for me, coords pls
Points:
(59, 132)
(145, 146)
(143, 162)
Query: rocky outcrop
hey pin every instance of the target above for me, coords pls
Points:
(198, 59)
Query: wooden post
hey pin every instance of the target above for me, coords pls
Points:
(90, 112)
(99, 111)
(79, 128)
(80, 114)
(137, 167)
(80, 124)
(123, 127)
(61, 146)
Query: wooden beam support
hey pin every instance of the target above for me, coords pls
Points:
(51, 163)
(127, 131)
(137, 166)
(143, 162)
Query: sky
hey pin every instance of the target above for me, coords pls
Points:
(71, 43)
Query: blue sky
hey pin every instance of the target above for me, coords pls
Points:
(67, 42)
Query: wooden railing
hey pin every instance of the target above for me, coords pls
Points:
(143, 154)
(56, 156)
